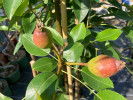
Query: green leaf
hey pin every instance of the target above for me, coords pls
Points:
(62, 96)
(73, 52)
(18, 45)
(129, 69)
(2, 18)
(109, 95)
(108, 34)
(5, 28)
(2, 97)
(19, 12)
(29, 22)
(88, 32)
(95, 82)
(118, 13)
(78, 32)
(45, 1)
(81, 8)
(108, 50)
(21, 8)
(114, 53)
(129, 33)
(31, 48)
(11, 6)
(45, 84)
(128, 59)
(87, 37)
(1, 1)
(38, 96)
(57, 37)
(45, 64)
(115, 3)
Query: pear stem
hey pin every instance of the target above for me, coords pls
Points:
(71, 63)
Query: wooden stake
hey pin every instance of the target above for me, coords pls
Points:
(33, 71)
(64, 21)
(31, 64)
(65, 36)
(77, 74)
(58, 17)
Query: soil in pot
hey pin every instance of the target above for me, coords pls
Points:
(3, 58)
(20, 58)
(8, 50)
(10, 72)
(4, 88)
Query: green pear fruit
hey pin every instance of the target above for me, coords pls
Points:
(42, 38)
(105, 66)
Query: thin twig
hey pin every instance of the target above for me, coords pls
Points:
(33, 57)
(55, 47)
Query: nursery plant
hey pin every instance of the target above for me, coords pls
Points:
(75, 45)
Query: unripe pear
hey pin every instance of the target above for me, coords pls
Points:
(105, 66)
(42, 39)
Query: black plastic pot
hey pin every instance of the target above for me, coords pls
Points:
(10, 77)
(6, 91)
(23, 62)
(8, 50)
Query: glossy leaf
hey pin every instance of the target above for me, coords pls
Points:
(11, 6)
(118, 13)
(108, 34)
(81, 8)
(95, 82)
(2, 18)
(5, 28)
(29, 23)
(45, 84)
(62, 96)
(57, 37)
(108, 50)
(129, 69)
(78, 32)
(31, 48)
(115, 3)
(87, 37)
(73, 52)
(128, 59)
(45, 64)
(19, 44)
(3, 97)
(114, 53)
(38, 96)
(109, 95)
(1, 1)
(129, 33)
(45, 1)
(21, 8)
(18, 13)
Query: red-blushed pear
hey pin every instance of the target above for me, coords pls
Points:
(105, 66)
(42, 38)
